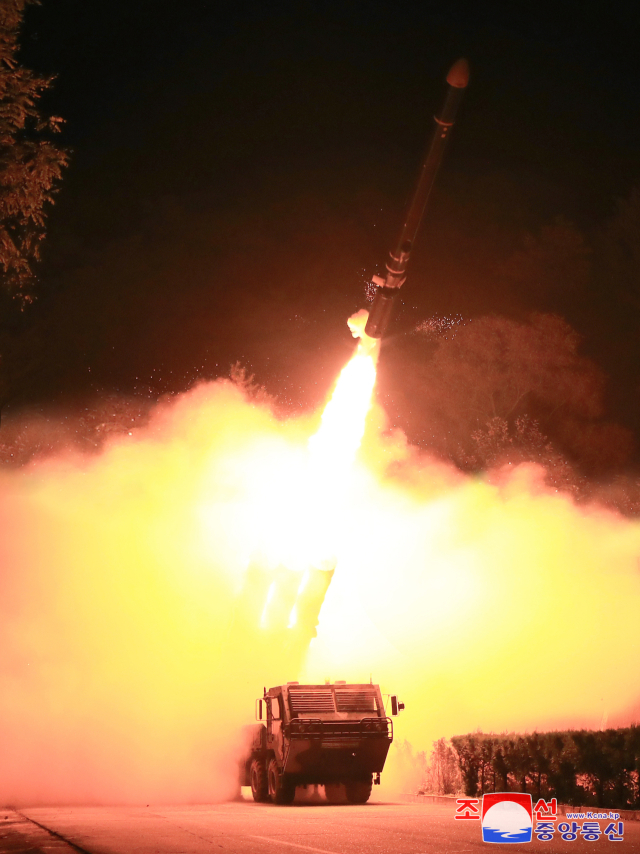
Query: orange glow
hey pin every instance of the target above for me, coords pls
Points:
(335, 444)
(128, 663)
(298, 496)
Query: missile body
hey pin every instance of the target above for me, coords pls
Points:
(387, 288)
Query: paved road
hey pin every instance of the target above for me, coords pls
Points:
(248, 828)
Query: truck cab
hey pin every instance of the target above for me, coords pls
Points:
(335, 735)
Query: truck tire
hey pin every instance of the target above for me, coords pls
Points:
(280, 791)
(358, 791)
(334, 793)
(258, 780)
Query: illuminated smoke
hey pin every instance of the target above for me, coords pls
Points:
(132, 588)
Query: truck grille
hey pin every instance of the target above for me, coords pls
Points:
(318, 700)
(355, 701)
(342, 732)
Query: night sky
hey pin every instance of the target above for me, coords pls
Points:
(239, 172)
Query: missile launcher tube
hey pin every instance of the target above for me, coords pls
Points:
(387, 288)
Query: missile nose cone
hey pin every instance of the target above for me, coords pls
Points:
(458, 75)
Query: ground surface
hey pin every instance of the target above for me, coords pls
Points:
(248, 828)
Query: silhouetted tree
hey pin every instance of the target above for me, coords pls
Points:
(577, 767)
(468, 749)
(30, 165)
(486, 773)
(562, 769)
(633, 741)
(551, 265)
(618, 251)
(443, 776)
(618, 745)
(538, 750)
(594, 761)
(496, 390)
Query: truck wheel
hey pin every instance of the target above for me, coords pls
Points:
(280, 791)
(258, 779)
(334, 793)
(358, 791)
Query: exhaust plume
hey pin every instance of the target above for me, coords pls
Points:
(133, 585)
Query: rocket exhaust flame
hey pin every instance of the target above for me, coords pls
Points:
(320, 496)
(336, 442)
(130, 611)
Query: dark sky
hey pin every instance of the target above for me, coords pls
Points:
(197, 86)
(239, 170)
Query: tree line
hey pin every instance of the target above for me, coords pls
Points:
(590, 768)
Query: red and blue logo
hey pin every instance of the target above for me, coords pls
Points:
(507, 817)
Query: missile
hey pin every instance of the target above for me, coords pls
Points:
(387, 288)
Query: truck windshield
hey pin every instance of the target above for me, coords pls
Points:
(356, 701)
(325, 699)
(318, 699)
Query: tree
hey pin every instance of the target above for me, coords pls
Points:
(501, 770)
(619, 250)
(633, 746)
(562, 768)
(498, 442)
(467, 748)
(498, 390)
(553, 265)
(442, 774)
(538, 749)
(487, 775)
(496, 367)
(619, 745)
(30, 165)
(594, 762)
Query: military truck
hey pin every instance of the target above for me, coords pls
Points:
(335, 735)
